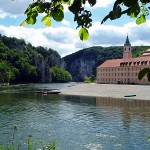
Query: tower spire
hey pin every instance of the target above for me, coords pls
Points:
(127, 52)
(127, 40)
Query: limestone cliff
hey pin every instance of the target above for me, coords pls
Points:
(84, 62)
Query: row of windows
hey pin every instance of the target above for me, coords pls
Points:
(118, 74)
(120, 69)
(117, 79)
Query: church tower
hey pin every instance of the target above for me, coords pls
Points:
(127, 52)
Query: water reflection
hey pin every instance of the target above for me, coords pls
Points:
(116, 102)
(76, 123)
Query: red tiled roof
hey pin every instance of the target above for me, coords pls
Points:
(125, 61)
(146, 53)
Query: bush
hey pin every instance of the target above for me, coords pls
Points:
(60, 75)
(90, 79)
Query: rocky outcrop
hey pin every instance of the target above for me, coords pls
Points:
(80, 65)
(45, 64)
(84, 62)
(80, 68)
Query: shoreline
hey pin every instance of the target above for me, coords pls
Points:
(118, 91)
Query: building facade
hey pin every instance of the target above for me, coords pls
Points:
(124, 70)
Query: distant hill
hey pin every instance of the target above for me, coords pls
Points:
(84, 62)
(24, 63)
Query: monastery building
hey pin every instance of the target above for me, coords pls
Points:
(124, 70)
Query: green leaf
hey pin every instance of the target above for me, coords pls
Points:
(23, 23)
(142, 73)
(92, 2)
(47, 21)
(148, 139)
(129, 3)
(134, 11)
(141, 19)
(58, 15)
(83, 34)
(66, 2)
(29, 10)
(31, 20)
(40, 9)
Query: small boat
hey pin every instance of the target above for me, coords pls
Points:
(53, 92)
(130, 95)
(48, 92)
(39, 92)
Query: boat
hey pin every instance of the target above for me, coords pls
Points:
(48, 92)
(53, 92)
(130, 95)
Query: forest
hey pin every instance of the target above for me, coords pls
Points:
(24, 63)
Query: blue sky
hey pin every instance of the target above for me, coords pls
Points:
(63, 37)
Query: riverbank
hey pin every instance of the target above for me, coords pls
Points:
(142, 92)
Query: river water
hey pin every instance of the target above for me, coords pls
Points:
(73, 122)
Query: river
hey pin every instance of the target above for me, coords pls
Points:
(73, 122)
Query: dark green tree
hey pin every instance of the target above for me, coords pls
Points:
(6, 73)
(60, 75)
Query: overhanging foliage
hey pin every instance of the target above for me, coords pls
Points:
(54, 10)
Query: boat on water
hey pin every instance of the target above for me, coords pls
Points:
(130, 95)
(48, 92)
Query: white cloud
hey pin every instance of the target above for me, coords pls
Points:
(65, 39)
(61, 39)
(13, 7)
(17, 7)
(108, 35)
(65, 22)
(2, 15)
(102, 3)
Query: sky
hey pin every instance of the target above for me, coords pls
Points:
(63, 36)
